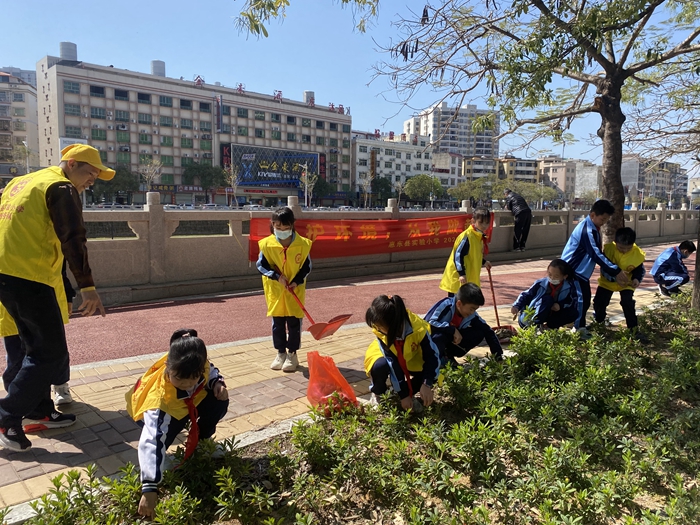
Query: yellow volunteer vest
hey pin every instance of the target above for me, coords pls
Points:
(280, 302)
(472, 262)
(626, 261)
(29, 248)
(412, 351)
(154, 391)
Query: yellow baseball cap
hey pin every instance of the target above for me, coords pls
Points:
(85, 153)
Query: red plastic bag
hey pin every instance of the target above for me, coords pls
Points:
(325, 380)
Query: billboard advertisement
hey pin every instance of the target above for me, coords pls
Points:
(268, 167)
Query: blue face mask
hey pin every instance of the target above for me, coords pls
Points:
(282, 235)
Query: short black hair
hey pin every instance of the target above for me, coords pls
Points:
(507, 190)
(563, 266)
(625, 236)
(470, 294)
(481, 214)
(187, 355)
(602, 207)
(284, 215)
(687, 245)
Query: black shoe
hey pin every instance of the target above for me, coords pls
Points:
(55, 420)
(663, 291)
(639, 336)
(497, 357)
(13, 438)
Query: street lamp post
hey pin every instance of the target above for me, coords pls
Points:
(26, 150)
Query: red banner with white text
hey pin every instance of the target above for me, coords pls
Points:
(351, 237)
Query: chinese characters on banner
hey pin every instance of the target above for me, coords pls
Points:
(344, 238)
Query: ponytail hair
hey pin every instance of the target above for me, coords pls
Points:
(188, 354)
(390, 312)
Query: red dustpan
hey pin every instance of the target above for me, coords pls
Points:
(321, 330)
(506, 331)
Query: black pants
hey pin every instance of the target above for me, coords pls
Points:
(14, 357)
(35, 310)
(545, 314)
(471, 337)
(381, 371)
(583, 286)
(286, 333)
(602, 300)
(523, 220)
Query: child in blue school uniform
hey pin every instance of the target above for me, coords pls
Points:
(669, 271)
(554, 299)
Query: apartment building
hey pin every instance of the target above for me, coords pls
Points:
(136, 118)
(25, 75)
(558, 173)
(19, 143)
(589, 178)
(450, 130)
(513, 168)
(666, 181)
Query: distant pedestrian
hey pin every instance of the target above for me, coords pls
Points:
(523, 218)
(669, 271)
(284, 263)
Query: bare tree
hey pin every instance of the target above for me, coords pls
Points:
(399, 187)
(150, 172)
(233, 179)
(364, 181)
(307, 181)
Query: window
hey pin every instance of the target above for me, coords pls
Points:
(186, 143)
(362, 162)
(276, 135)
(73, 132)
(97, 91)
(418, 155)
(320, 124)
(145, 138)
(346, 187)
(205, 144)
(144, 98)
(166, 141)
(205, 162)
(275, 117)
(166, 102)
(306, 139)
(418, 166)
(185, 104)
(167, 178)
(71, 87)
(291, 137)
(123, 157)
(242, 112)
(121, 116)
(205, 107)
(204, 125)
(259, 115)
(334, 143)
(19, 126)
(346, 128)
(426, 167)
(333, 157)
(17, 97)
(4, 96)
(120, 94)
(320, 141)
(291, 120)
(123, 136)
(259, 133)
(346, 159)
(389, 152)
(99, 134)
(334, 126)
(243, 131)
(145, 158)
(186, 123)
(427, 155)
(5, 125)
(145, 118)
(363, 149)
(186, 161)
(408, 156)
(98, 113)
(397, 178)
(346, 143)
(5, 110)
(387, 164)
(225, 128)
(408, 167)
(103, 156)
(398, 154)
(17, 112)
(306, 122)
(166, 121)
(346, 174)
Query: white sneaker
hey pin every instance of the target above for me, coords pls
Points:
(292, 362)
(61, 394)
(373, 401)
(279, 361)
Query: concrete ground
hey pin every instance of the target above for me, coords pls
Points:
(110, 354)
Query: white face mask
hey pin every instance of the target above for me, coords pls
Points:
(554, 282)
(283, 234)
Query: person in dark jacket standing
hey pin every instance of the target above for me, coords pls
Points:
(523, 218)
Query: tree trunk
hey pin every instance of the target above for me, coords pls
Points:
(610, 131)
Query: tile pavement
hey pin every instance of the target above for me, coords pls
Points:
(106, 436)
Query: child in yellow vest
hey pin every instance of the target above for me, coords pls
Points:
(181, 386)
(403, 352)
(467, 257)
(630, 259)
(284, 263)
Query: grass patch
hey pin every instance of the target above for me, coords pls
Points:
(567, 432)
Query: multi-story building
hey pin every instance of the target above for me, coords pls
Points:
(666, 181)
(559, 173)
(589, 177)
(450, 130)
(19, 143)
(137, 118)
(477, 167)
(25, 75)
(513, 168)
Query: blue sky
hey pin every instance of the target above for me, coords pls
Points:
(316, 48)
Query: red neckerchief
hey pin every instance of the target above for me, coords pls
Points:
(193, 435)
(398, 344)
(456, 319)
(555, 289)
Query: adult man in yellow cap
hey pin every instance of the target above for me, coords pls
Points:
(41, 222)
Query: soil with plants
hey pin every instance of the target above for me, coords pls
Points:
(604, 431)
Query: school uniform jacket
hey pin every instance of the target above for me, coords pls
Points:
(670, 263)
(566, 297)
(156, 401)
(583, 251)
(294, 263)
(465, 260)
(632, 263)
(419, 351)
(440, 317)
